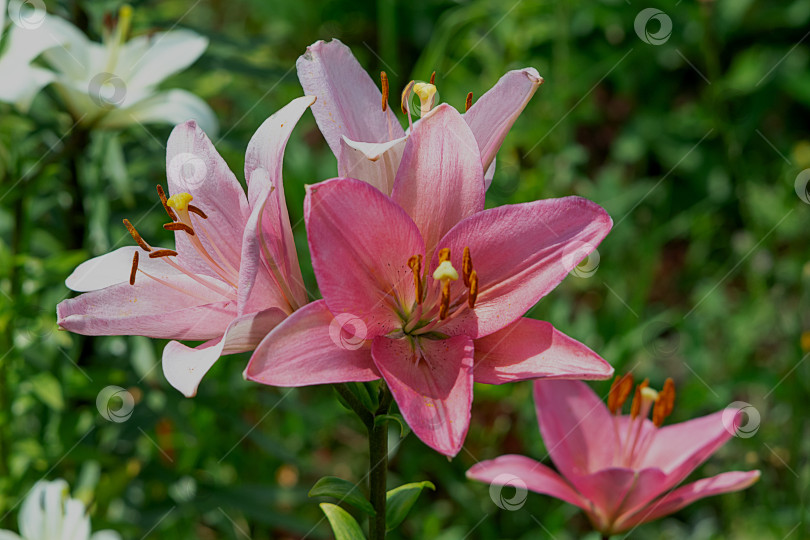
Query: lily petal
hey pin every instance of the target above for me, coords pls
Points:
(534, 475)
(492, 116)
(268, 240)
(349, 103)
(194, 166)
(375, 163)
(440, 180)
(170, 107)
(531, 349)
(312, 346)
(360, 241)
(149, 309)
(184, 367)
(577, 427)
(609, 488)
(433, 386)
(678, 449)
(148, 59)
(113, 268)
(520, 253)
(685, 495)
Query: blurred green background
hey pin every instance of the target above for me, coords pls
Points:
(692, 145)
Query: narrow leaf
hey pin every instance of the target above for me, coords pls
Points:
(400, 500)
(343, 491)
(343, 524)
(404, 430)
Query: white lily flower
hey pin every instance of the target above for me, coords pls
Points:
(27, 33)
(114, 83)
(48, 513)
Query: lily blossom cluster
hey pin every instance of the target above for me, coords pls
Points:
(621, 470)
(233, 273)
(430, 287)
(48, 512)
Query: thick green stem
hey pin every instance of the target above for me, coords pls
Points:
(378, 466)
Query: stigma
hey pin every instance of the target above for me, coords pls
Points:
(180, 201)
(427, 95)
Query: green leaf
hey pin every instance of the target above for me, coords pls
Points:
(404, 429)
(343, 524)
(49, 390)
(399, 502)
(344, 491)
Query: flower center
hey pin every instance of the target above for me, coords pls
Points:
(434, 300)
(180, 210)
(635, 441)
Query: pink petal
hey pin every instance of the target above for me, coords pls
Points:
(375, 163)
(491, 117)
(608, 489)
(150, 309)
(685, 495)
(512, 469)
(113, 268)
(312, 347)
(433, 386)
(269, 221)
(440, 180)
(678, 449)
(184, 367)
(194, 166)
(489, 174)
(360, 242)
(349, 102)
(530, 349)
(577, 427)
(520, 253)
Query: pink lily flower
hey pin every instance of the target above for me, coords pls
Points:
(622, 470)
(363, 131)
(233, 274)
(426, 289)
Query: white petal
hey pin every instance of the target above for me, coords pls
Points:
(170, 107)
(147, 60)
(113, 268)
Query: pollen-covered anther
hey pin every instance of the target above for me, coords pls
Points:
(415, 264)
(664, 403)
(619, 392)
(162, 253)
(384, 85)
(471, 298)
(406, 95)
(180, 201)
(468, 102)
(164, 200)
(134, 268)
(444, 255)
(178, 227)
(193, 209)
(466, 266)
(137, 237)
(635, 407)
(433, 78)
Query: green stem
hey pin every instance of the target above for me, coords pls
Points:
(378, 466)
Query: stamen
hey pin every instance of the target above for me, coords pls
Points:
(664, 404)
(468, 103)
(384, 84)
(466, 266)
(137, 237)
(635, 407)
(179, 201)
(619, 392)
(195, 210)
(444, 255)
(134, 268)
(473, 289)
(433, 78)
(163, 200)
(178, 227)
(445, 305)
(406, 94)
(415, 264)
(162, 253)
